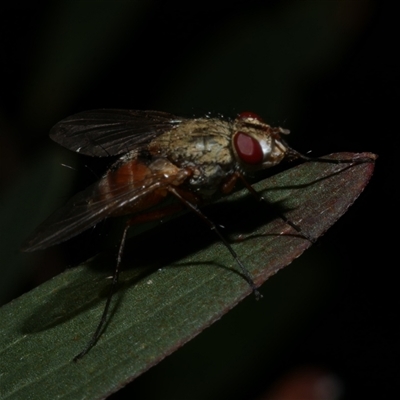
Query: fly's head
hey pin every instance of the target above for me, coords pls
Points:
(257, 145)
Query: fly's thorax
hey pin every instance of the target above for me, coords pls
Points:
(206, 180)
(166, 171)
(204, 147)
(196, 141)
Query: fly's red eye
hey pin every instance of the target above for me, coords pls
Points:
(249, 115)
(248, 148)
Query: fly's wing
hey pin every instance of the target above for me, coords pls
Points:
(108, 132)
(89, 207)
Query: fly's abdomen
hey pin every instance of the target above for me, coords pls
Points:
(137, 184)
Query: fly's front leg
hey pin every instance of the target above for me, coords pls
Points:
(281, 216)
(294, 154)
(229, 185)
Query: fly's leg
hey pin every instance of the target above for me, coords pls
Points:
(193, 207)
(228, 186)
(280, 215)
(103, 318)
(293, 154)
(137, 219)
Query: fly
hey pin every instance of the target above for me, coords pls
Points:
(161, 155)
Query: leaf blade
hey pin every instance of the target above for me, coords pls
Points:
(159, 309)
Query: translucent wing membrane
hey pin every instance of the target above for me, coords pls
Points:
(91, 206)
(103, 133)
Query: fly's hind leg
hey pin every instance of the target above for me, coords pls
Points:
(182, 196)
(137, 219)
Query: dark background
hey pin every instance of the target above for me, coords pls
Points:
(327, 70)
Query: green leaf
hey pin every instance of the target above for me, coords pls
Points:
(177, 280)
